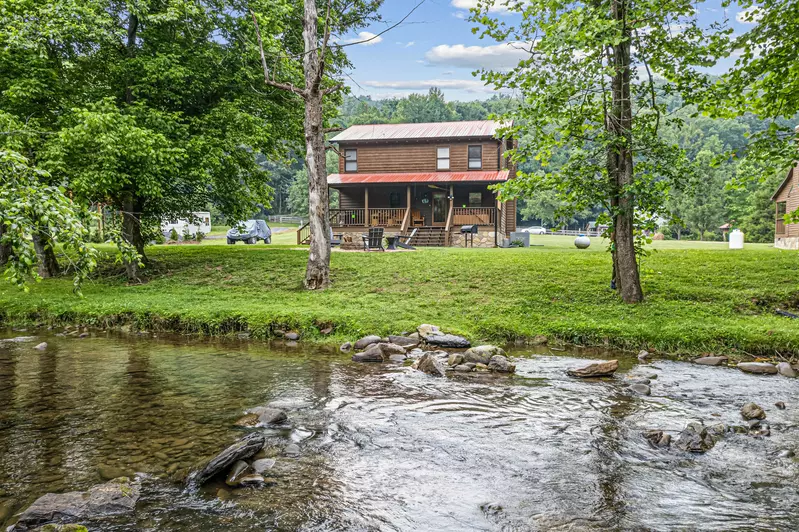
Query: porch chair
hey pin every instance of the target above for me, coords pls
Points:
(416, 218)
(404, 241)
(335, 238)
(374, 240)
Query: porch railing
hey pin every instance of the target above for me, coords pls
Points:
(474, 216)
(347, 217)
(386, 217)
(780, 229)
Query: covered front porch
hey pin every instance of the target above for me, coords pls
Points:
(402, 207)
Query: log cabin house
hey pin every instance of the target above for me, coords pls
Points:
(786, 199)
(432, 178)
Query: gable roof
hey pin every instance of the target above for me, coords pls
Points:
(433, 130)
(494, 176)
(784, 182)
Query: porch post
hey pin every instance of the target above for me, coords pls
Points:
(406, 219)
(366, 206)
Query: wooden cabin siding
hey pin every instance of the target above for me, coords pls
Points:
(418, 157)
(790, 195)
(350, 198)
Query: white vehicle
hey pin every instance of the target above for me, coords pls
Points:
(535, 230)
(201, 222)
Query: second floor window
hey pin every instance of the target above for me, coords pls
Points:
(350, 160)
(475, 157)
(442, 158)
(782, 208)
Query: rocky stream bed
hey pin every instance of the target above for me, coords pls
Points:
(417, 431)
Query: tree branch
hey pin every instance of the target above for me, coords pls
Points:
(333, 89)
(285, 86)
(332, 129)
(321, 71)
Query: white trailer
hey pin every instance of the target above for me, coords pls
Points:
(201, 221)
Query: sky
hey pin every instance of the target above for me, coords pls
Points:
(436, 47)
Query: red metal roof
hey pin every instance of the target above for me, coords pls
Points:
(424, 177)
(376, 132)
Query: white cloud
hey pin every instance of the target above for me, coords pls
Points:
(749, 16)
(467, 85)
(497, 56)
(459, 14)
(409, 44)
(497, 6)
(368, 38)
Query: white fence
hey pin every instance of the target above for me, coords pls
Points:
(285, 219)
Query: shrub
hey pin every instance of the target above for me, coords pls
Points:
(173, 235)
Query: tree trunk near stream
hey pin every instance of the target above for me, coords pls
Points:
(48, 263)
(620, 164)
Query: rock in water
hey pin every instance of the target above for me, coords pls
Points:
(783, 368)
(695, 439)
(640, 389)
(292, 336)
(41, 347)
(455, 359)
(711, 361)
(643, 355)
(366, 341)
(241, 450)
(267, 415)
(116, 497)
(430, 364)
(657, 438)
(752, 411)
(259, 466)
(780, 405)
(447, 340)
(404, 341)
(379, 352)
(239, 469)
(758, 367)
(426, 329)
(482, 354)
(346, 347)
(597, 369)
(501, 364)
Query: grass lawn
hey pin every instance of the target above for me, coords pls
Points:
(701, 297)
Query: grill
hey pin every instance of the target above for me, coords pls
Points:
(468, 232)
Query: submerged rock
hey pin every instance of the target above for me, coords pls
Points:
(259, 466)
(786, 370)
(780, 405)
(41, 347)
(482, 354)
(643, 355)
(268, 415)
(292, 336)
(657, 438)
(116, 497)
(752, 411)
(640, 389)
(539, 339)
(711, 361)
(597, 369)
(455, 359)
(758, 367)
(366, 341)
(240, 450)
(695, 438)
(429, 363)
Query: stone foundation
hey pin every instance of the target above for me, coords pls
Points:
(483, 239)
(787, 242)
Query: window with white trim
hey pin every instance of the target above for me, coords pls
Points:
(350, 160)
(475, 157)
(442, 158)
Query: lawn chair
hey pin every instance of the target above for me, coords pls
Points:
(404, 241)
(374, 240)
(416, 218)
(335, 238)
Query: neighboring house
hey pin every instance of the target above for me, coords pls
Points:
(430, 177)
(201, 222)
(786, 236)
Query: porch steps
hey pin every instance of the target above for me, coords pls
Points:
(429, 237)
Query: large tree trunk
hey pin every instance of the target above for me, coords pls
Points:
(317, 274)
(5, 249)
(131, 232)
(620, 164)
(48, 263)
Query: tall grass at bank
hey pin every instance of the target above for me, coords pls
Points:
(699, 298)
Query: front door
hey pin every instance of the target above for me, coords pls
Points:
(439, 208)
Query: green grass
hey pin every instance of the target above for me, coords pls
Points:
(701, 297)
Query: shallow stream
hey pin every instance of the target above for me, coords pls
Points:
(383, 447)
